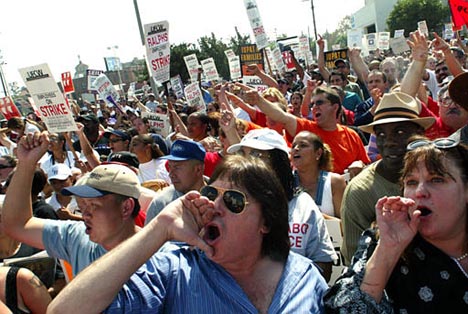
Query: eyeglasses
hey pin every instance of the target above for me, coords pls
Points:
(234, 200)
(115, 140)
(319, 102)
(445, 69)
(441, 143)
(5, 166)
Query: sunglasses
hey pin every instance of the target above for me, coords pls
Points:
(318, 102)
(5, 166)
(234, 200)
(441, 143)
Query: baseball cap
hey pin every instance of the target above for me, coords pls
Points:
(59, 172)
(341, 61)
(458, 90)
(262, 139)
(125, 157)
(106, 179)
(123, 135)
(88, 117)
(186, 150)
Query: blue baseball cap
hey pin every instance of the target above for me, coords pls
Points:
(123, 135)
(186, 150)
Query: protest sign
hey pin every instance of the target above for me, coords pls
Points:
(92, 76)
(249, 54)
(459, 11)
(160, 122)
(253, 13)
(67, 83)
(384, 40)
(177, 86)
(422, 27)
(234, 67)
(287, 58)
(194, 96)
(336, 47)
(332, 56)
(399, 45)
(209, 69)
(53, 108)
(107, 91)
(371, 40)
(255, 82)
(131, 90)
(8, 108)
(399, 33)
(448, 31)
(278, 60)
(191, 62)
(355, 38)
(229, 53)
(304, 44)
(158, 50)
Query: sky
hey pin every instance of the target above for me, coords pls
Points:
(60, 33)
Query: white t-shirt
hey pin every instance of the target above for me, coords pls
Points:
(154, 169)
(72, 206)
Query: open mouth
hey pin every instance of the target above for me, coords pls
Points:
(425, 211)
(212, 233)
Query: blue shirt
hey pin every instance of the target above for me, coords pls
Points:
(186, 281)
(362, 114)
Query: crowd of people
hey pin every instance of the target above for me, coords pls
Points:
(228, 212)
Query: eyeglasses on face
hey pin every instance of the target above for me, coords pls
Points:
(5, 167)
(234, 200)
(440, 143)
(319, 102)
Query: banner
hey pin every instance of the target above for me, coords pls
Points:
(256, 23)
(160, 122)
(8, 108)
(331, 56)
(53, 108)
(158, 50)
(459, 10)
(209, 69)
(67, 83)
(191, 62)
(194, 96)
(92, 76)
(249, 54)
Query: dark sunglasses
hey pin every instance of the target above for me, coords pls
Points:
(5, 166)
(441, 143)
(318, 102)
(234, 200)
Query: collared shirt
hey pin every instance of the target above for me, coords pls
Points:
(186, 281)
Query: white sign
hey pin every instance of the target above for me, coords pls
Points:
(209, 69)
(158, 121)
(371, 41)
(355, 38)
(177, 86)
(234, 67)
(384, 40)
(278, 60)
(53, 108)
(191, 62)
(92, 76)
(399, 33)
(229, 53)
(336, 47)
(106, 90)
(255, 82)
(448, 31)
(304, 44)
(158, 50)
(253, 13)
(194, 96)
(422, 26)
(399, 45)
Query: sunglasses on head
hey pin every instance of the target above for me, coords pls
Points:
(234, 200)
(441, 143)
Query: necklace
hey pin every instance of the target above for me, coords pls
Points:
(461, 258)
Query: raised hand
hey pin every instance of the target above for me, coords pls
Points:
(31, 147)
(419, 47)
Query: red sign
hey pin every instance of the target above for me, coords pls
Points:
(459, 11)
(288, 59)
(67, 83)
(8, 108)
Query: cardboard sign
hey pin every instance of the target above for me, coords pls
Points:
(177, 86)
(67, 83)
(158, 50)
(158, 121)
(191, 62)
(399, 45)
(384, 40)
(194, 96)
(92, 76)
(209, 69)
(249, 54)
(331, 56)
(355, 38)
(261, 37)
(234, 68)
(53, 108)
(8, 108)
(255, 82)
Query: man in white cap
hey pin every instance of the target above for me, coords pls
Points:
(396, 119)
(107, 196)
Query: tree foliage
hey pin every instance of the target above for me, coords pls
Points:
(406, 14)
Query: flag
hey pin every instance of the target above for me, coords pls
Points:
(459, 10)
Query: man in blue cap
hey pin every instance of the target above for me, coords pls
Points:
(186, 167)
(118, 140)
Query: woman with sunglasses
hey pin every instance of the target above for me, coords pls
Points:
(149, 155)
(420, 262)
(307, 230)
(242, 263)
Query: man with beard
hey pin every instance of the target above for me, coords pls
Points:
(107, 196)
(395, 121)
